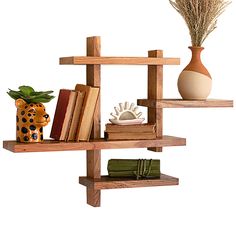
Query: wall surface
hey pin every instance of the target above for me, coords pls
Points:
(39, 192)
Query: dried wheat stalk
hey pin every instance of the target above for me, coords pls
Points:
(200, 16)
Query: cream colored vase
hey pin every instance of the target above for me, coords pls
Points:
(195, 82)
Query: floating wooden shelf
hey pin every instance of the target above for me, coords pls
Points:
(179, 103)
(105, 182)
(94, 182)
(118, 61)
(51, 145)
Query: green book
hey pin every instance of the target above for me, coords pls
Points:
(139, 168)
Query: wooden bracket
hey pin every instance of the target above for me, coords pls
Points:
(155, 91)
(93, 78)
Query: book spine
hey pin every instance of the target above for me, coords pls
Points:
(71, 112)
(60, 112)
(76, 116)
(129, 136)
(146, 128)
(86, 119)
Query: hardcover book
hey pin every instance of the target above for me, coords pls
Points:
(76, 116)
(63, 114)
(87, 112)
(129, 136)
(139, 128)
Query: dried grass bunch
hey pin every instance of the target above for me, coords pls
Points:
(200, 16)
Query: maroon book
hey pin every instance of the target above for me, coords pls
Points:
(64, 110)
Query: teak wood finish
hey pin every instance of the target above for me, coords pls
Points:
(179, 103)
(118, 61)
(155, 62)
(98, 144)
(105, 182)
(94, 182)
(155, 91)
(93, 73)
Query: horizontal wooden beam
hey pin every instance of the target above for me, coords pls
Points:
(51, 145)
(105, 182)
(179, 103)
(118, 61)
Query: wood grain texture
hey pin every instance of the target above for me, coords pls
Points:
(155, 91)
(179, 103)
(138, 128)
(52, 145)
(129, 135)
(97, 60)
(105, 182)
(93, 78)
(93, 163)
(93, 197)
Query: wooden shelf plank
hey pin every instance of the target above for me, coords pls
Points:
(51, 145)
(179, 103)
(82, 60)
(105, 182)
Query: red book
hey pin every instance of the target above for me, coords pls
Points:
(63, 114)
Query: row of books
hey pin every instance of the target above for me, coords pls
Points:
(74, 113)
(128, 132)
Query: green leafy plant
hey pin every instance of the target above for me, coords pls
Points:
(28, 94)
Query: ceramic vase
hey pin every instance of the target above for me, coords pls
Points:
(30, 120)
(195, 82)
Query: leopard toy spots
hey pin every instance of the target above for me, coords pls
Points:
(30, 120)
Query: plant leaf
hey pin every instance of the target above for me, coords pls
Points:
(15, 94)
(42, 99)
(40, 93)
(28, 94)
(26, 90)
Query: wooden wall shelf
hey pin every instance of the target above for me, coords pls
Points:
(118, 61)
(52, 145)
(105, 182)
(179, 103)
(94, 182)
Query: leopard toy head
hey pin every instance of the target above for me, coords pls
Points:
(30, 120)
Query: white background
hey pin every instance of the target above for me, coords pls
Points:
(39, 192)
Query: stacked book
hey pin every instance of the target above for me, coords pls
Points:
(127, 132)
(73, 117)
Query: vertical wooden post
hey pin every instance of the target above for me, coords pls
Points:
(94, 157)
(155, 91)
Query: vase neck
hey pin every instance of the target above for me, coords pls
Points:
(196, 63)
(196, 53)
